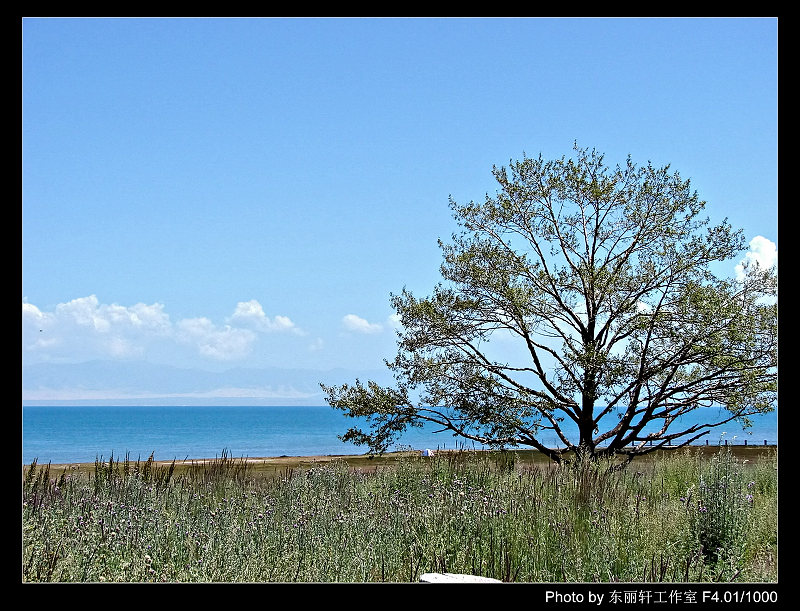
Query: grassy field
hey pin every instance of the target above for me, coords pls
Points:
(696, 515)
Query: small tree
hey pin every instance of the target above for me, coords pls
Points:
(603, 276)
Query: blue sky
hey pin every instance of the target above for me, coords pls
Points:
(217, 193)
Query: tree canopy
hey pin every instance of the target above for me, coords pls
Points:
(605, 279)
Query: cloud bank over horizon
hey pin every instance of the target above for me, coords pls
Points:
(116, 382)
(85, 329)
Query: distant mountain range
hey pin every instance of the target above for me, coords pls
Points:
(142, 383)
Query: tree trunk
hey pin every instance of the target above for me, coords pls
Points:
(586, 447)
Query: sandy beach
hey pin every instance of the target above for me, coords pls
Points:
(277, 464)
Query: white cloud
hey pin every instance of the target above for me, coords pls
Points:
(83, 312)
(762, 251)
(89, 312)
(34, 316)
(36, 327)
(85, 329)
(251, 314)
(357, 324)
(220, 343)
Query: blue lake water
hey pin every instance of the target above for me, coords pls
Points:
(65, 434)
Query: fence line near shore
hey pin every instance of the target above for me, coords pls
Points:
(725, 442)
(721, 443)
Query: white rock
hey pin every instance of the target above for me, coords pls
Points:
(455, 578)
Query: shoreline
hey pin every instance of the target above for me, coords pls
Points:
(274, 461)
(284, 461)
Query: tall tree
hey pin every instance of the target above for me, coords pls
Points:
(605, 278)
